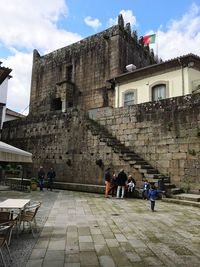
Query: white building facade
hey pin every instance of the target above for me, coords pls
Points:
(176, 77)
(4, 77)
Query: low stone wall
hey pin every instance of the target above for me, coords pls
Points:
(80, 187)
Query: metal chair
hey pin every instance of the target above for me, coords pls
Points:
(7, 219)
(5, 233)
(29, 215)
(5, 216)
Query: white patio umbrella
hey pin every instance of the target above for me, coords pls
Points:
(10, 153)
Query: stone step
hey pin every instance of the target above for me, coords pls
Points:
(152, 176)
(124, 151)
(169, 186)
(137, 166)
(119, 148)
(140, 162)
(132, 162)
(181, 202)
(151, 180)
(175, 191)
(147, 171)
(116, 150)
(127, 159)
(189, 197)
(150, 171)
(131, 154)
(136, 158)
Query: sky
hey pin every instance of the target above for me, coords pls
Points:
(47, 25)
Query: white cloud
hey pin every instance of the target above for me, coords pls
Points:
(19, 84)
(128, 18)
(181, 37)
(32, 24)
(94, 23)
(24, 26)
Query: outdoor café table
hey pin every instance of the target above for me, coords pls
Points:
(15, 204)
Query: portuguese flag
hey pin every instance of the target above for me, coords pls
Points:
(149, 39)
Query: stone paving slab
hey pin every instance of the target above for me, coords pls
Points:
(193, 203)
(85, 229)
(22, 246)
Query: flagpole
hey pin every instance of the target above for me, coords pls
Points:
(157, 44)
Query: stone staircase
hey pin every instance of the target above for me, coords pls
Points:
(184, 199)
(145, 169)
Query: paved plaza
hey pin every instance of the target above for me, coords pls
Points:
(85, 230)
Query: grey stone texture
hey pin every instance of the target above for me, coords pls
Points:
(165, 133)
(120, 232)
(64, 141)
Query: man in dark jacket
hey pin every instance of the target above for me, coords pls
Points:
(51, 175)
(121, 182)
(41, 175)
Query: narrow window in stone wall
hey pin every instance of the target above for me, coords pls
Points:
(158, 92)
(69, 73)
(56, 104)
(129, 99)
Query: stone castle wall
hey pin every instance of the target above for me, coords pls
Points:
(164, 133)
(64, 142)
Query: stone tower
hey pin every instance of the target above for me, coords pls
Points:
(65, 85)
(76, 75)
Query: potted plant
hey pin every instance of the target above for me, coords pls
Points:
(33, 184)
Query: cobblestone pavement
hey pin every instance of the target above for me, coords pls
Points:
(86, 230)
(22, 246)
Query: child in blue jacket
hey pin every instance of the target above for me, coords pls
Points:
(152, 195)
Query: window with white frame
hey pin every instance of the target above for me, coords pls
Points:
(158, 92)
(129, 98)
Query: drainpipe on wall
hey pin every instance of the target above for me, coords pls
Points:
(118, 94)
(183, 80)
(182, 76)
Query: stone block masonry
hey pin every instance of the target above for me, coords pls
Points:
(165, 133)
(76, 75)
(63, 140)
